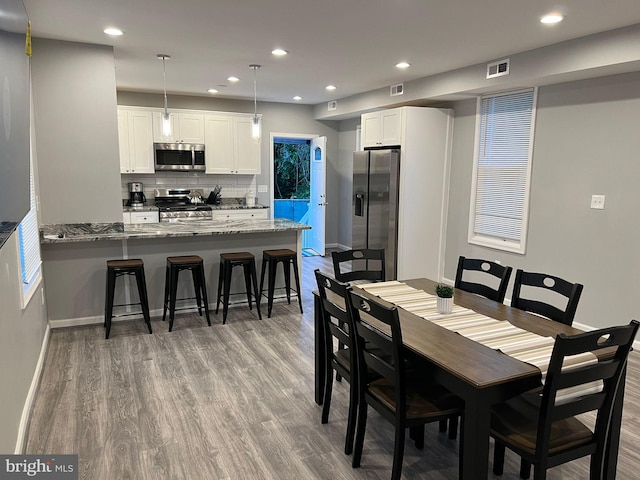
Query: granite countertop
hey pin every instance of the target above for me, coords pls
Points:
(88, 232)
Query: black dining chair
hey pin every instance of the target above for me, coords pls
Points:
(531, 281)
(359, 264)
(495, 278)
(545, 431)
(336, 319)
(406, 399)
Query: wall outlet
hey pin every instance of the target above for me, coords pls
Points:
(597, 202)
(262, 189)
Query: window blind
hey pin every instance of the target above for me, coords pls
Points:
(503, 166)
(29, 237)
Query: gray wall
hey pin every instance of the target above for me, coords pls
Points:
(586, 142)
(276, 117)
(21, 336)
(74, 94)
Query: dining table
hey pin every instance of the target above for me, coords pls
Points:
(480, 375)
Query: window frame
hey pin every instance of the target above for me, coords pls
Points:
(495, 241)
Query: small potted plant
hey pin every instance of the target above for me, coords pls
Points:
(445, 298)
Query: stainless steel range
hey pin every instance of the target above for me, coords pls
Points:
(182, 205)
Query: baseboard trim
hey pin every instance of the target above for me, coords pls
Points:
(31, 394)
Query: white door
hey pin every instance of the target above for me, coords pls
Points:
(317, 202)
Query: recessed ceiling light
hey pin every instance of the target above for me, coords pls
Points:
(212, 90)
(403, 65)
(330, 87)
(279, 52)
(116, 32)
(297, 98)
(552, 18)
(233, 79)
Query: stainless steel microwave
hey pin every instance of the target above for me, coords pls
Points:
(179, 157)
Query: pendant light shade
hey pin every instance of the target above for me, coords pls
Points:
(256, 127)
(166, 120)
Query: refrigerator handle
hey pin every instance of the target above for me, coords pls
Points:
(359, 205)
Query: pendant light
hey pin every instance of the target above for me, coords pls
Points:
(166, 121)
(256, 127)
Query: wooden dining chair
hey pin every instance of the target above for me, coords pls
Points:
(496, 278)
(336, 319)
(359, 264)
(546, 432)
(549, 283)
(406, 403)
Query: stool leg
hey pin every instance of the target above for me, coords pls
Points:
(254, 275)
(144, 299)
(111, 285)
(202, 286)
(227, 288)
(297, 278)
(220, 280)
(263, 269)
(167, 283)
(173, 294)
(286, 266)
(272, 284)
(247, 282)
(196, 288)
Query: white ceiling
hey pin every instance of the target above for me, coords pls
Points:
(353, 44)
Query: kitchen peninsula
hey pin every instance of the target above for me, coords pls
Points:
(74, 259)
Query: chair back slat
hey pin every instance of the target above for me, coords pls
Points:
(550, 283)
(500, 274)
(359, 264)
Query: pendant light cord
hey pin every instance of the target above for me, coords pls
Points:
(255, 89)
(164, 82)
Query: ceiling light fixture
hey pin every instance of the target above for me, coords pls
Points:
(255, 123)
(330, 87)
(403, 65)
(212, 90)
(297, 98)
(552, 18)
(233, 79)
(166, 121)
(116, 32)
(279, 52)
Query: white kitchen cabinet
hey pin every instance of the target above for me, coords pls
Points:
(242, 214)
(229, 148)
(185, 127)
(135, 134)
(140, 217)
(383, 128)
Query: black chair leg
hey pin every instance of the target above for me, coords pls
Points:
(442, 426)
(197, 288)
(418, 436)
(167, 281)
(272, 284)
(144, 299)
(297, 278)
(220, 282)
(351, 419)
(398, 453)
(453, 428)
(360, 429)
(498, 458)
(286, 266)
(254, 276)
(173, 279)
(525, 469)
(247, 283)
(202, 284)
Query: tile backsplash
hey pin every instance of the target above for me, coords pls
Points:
(232, 186)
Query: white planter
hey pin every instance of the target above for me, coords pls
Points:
(445, 305)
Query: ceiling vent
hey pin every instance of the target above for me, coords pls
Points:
(397, 89)
(332, 105)
(498, 69)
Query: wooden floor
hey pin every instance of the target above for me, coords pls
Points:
(231, 401)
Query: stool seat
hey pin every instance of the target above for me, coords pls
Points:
(174, 266)
(270, 260)
(118, 268)
(229, 260)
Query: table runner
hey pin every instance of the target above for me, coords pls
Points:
(496, 334)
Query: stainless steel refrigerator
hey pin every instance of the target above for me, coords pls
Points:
(376, 182)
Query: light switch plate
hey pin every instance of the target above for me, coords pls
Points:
(262, 189)
(597, 202)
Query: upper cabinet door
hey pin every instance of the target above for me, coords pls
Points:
(190, 128)
(218, 143)
(135, 137)
(123, 140)
(380, 129)
(247, 158)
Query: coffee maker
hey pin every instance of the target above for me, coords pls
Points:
(136, 194)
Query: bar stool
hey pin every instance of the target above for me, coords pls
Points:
(270, 259)
(118, 268)
(174, 266)
(248, 263)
